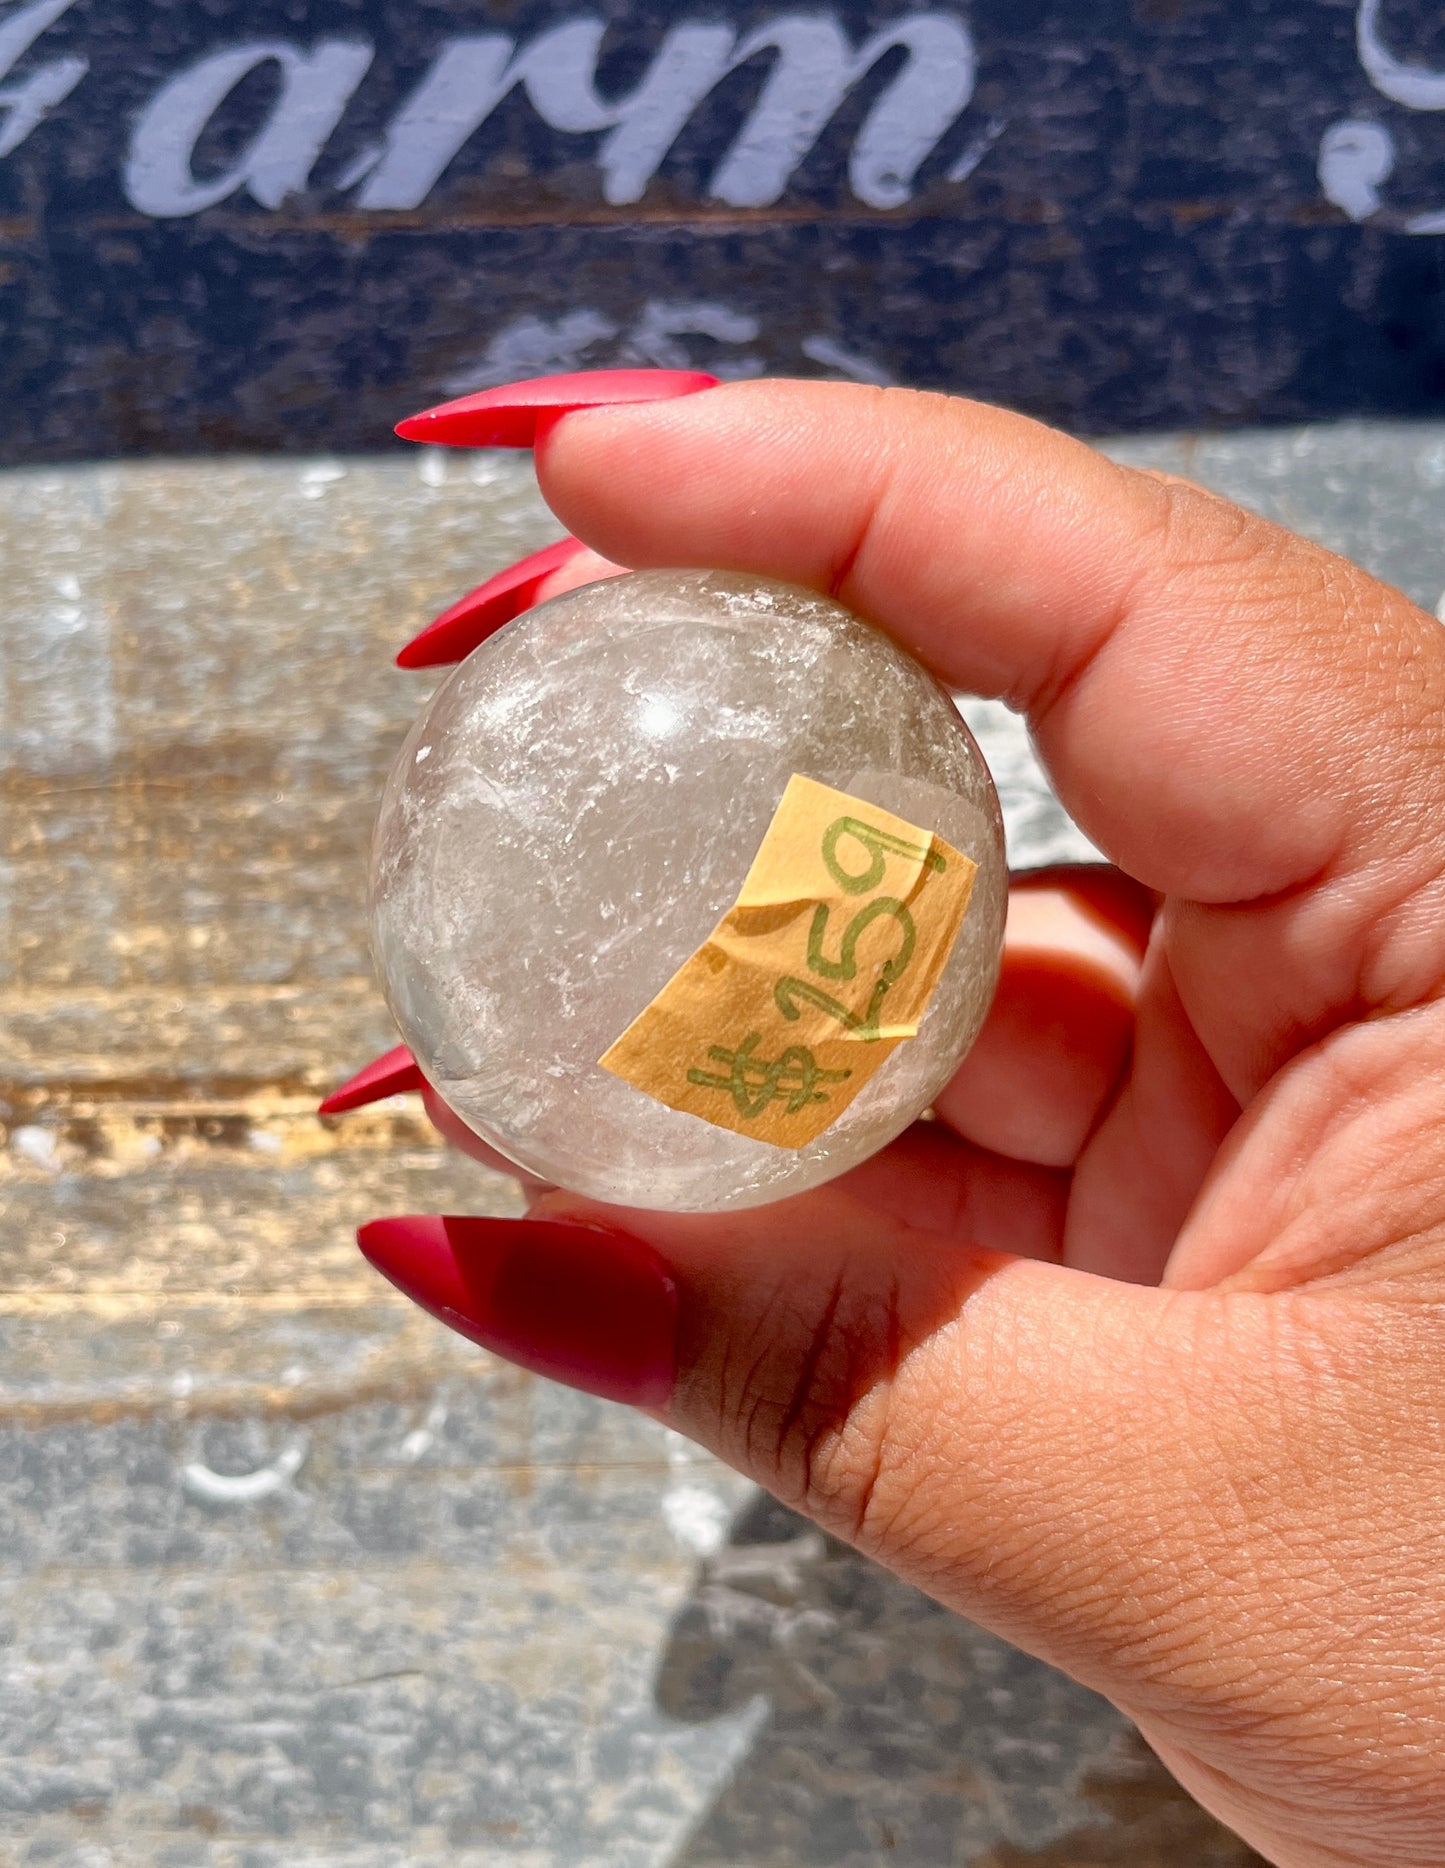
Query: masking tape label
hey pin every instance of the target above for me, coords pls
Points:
(823, 966)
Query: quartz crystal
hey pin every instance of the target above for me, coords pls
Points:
(576, 810)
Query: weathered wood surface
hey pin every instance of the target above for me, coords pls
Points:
(277, 223)
(289, 1577)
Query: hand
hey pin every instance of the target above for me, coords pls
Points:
(1136, 1356)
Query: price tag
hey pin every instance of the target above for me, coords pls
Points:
(823, 966)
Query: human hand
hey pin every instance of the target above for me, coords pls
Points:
(1136, 1355)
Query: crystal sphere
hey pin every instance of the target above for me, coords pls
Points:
(576, 810)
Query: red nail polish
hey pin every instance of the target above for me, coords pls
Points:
(482, 612)
(511, 416)
(597, 1310)
(388, 1075)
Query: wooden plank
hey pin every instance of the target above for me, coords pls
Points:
(199, 710)
(253, 225)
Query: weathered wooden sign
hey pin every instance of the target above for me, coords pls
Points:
(281, 223)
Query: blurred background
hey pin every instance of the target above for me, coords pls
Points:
(289, 1576)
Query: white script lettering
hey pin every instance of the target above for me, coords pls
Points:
(814, 65)
(814, 69)
(316, 87)
(1357, 156)
(25, 105)
(467, 81)
(1417, 87)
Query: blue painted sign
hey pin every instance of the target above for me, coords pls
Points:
(281, 223)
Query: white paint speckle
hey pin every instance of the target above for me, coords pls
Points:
(423, 753)
(421, 1440)
(244, 1488)
(977, 149)
(697, 1518)
(319, 476)
(432, 465)
(847, 363)
(37, 1146)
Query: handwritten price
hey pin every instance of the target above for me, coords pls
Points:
(753, 1082)
(825, 963)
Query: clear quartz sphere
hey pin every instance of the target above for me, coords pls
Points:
(574, 813)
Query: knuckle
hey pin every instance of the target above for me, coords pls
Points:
(1199, 550)
(1190, 532)
(806, 1410)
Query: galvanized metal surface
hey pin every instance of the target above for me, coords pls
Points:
(289, 1577)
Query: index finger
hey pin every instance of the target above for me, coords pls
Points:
(1228, 711)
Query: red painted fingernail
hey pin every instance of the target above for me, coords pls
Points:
(481, 613)
(597, 1310)
(510, 416)
(389, 1075)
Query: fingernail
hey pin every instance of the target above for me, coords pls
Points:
(389, 1075)
(469, 621)
(594, 1309)
(510, 416)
